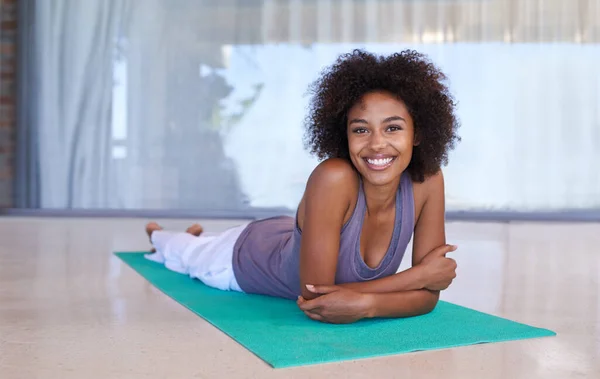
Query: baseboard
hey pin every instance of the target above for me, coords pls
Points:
(259, 213)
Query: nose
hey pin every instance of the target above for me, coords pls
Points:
(377, 141)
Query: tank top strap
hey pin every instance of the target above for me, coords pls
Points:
(408, 209)
(354, 223)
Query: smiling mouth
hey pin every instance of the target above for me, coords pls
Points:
(379, 163)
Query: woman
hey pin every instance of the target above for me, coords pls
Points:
(383, 127)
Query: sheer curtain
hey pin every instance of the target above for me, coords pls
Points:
(198, 105)
(74, 45)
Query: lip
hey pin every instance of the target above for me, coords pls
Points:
(377, 167)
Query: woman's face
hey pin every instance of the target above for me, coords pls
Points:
(381, 137)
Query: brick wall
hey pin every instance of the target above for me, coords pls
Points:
(8, 57)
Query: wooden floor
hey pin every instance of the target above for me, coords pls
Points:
(70, 309)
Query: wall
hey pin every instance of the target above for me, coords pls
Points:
(8, 42)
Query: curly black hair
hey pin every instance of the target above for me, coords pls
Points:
(408, 75)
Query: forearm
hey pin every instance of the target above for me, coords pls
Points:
(411, 279)
(402, 304)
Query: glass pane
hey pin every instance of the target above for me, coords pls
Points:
(207, 99)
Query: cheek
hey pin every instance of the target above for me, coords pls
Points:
(354, 144)
(403, 143)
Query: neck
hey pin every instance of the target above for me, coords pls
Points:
(380, 198)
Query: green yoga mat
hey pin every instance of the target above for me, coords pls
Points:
(280, 334)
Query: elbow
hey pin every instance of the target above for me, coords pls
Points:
(429, 307)
(430, 301)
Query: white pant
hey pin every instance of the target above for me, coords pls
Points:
(208, 258)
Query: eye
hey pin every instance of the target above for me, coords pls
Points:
(359, 130)
(394, 128)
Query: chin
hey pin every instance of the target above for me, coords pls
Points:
(379, 180)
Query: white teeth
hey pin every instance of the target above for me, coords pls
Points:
(379, 162)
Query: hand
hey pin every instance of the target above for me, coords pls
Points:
(439, 269)
(337, 305)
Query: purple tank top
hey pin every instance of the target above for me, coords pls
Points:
(266, 256)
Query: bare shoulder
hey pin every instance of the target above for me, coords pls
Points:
(431, 188)
(334, 171)
(333, 182)
(434, 183)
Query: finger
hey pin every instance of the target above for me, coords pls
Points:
(314, 316)
(311, 305)
(300, 300)
(443, 250)
(322, 289)
(450, 264)
(453, 263)
(446, 285)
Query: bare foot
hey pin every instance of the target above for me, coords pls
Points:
(152, 227)
(195, 230)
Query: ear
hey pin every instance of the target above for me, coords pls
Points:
(417, 139)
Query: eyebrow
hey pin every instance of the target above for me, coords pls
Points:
(358, 121)
(394, 118)
(389, 119)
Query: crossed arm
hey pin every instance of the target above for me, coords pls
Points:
(408, 293)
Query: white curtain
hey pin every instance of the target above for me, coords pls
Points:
(198, 105)
(74, 48)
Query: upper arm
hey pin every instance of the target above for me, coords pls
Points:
(430, 227)
(326, 201)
